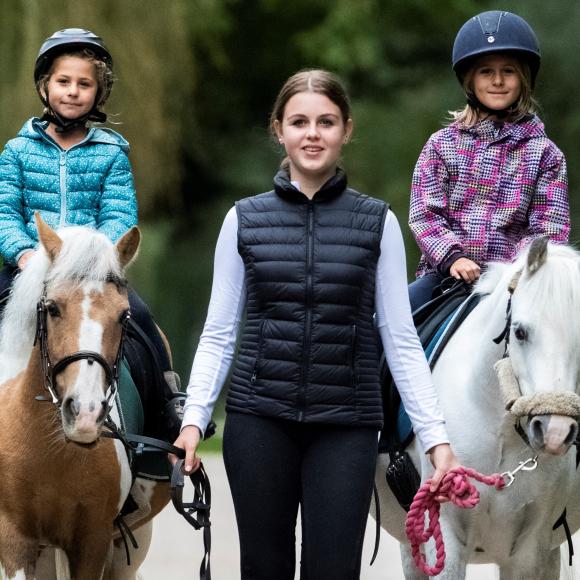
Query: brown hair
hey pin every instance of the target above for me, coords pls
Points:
(525, 104)
(311, 81)
(104, 75)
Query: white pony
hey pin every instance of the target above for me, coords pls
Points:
(538, 385)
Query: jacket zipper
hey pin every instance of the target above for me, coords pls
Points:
(63, 170)
(62, 183)
(308, 313)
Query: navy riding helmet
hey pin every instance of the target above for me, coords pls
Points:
(495, 31)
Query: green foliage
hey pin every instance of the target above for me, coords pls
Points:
(197, 79)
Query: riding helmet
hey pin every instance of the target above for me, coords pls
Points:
(67, 40)
(495, 31)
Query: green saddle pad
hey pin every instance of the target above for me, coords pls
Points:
(150, 463)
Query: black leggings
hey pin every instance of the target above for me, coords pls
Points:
(273, 466)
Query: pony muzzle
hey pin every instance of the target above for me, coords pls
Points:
(553, 416)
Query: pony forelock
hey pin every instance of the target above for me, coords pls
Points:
(86, 255)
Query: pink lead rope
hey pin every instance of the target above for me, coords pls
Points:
(460, 491)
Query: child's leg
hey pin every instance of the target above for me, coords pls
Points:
(422, 289)
(141, 314)
(7, 275)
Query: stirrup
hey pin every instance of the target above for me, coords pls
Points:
(173, 413)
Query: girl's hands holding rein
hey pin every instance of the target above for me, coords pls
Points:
(465, 269)
(443, 460)
(188, 440)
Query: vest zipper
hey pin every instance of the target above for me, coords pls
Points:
(259, 354)
(308, 314)
(353, 337)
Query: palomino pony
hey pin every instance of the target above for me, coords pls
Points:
(485, 395)
(62, 485)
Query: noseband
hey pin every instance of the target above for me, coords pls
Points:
(51, 371)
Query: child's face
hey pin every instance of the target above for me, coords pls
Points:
(496, 81)
(72, 87)
(313, 132)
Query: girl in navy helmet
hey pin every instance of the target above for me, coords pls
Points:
(73, 174)
(491, 181)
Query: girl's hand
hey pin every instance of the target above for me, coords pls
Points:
(188, 439)
(443, 459)
(465, 269)
(23, 260)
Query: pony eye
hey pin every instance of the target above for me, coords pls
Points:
(52, 309)
(521, 333)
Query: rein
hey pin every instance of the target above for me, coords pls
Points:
(51, 371)
(200, 506)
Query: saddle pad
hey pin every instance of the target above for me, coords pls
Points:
(433, 349)
(149, 463)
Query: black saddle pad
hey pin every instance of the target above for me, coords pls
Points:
(147, 374)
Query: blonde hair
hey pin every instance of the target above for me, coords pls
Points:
(524, 106)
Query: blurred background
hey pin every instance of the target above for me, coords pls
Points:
(195, 83)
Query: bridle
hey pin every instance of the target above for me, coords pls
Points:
(50, 371)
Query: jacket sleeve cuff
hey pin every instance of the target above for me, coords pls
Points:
(445, 265)
(19, 255)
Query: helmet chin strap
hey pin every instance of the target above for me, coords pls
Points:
(63, 125)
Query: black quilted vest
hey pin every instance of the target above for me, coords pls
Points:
(308, 351)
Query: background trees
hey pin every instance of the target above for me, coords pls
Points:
(197, 78)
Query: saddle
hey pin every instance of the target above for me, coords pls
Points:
(436, 322)
(147, 404)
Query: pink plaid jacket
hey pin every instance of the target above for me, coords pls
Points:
(485, 192)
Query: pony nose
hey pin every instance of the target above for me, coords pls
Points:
(71, 408)
(554, 433)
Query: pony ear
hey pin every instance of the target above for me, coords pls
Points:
(48, 237)
(128, 245)
(537, 254)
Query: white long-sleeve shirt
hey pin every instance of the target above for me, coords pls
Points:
(403, 350)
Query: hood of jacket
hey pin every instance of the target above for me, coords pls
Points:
(34, 128)
(489, 130)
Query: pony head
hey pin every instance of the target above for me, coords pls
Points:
(542, 372)
(77, 280)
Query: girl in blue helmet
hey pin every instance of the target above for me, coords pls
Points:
(70, 172)
(491, 181)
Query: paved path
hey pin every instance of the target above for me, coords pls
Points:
(177, 549)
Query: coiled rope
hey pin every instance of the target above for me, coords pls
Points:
(457, 487)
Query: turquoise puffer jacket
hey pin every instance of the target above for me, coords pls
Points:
(90, 184)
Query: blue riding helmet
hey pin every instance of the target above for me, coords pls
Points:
(495, 31)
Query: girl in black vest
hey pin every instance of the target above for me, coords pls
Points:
(307, 265)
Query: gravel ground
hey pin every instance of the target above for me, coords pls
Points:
(176, 548)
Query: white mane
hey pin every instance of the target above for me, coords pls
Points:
(86, 255)
(553, 290)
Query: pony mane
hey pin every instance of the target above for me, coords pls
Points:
(86, 256)
(554, 289)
